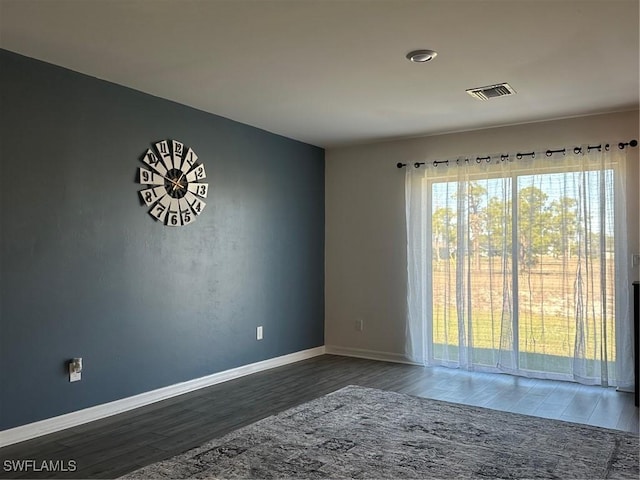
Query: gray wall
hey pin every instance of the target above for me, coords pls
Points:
(87, 272)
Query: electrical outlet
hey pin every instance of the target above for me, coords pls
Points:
(75, 370)
(359, 324)
(259, 333)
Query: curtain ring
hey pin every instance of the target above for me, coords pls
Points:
(577, 150)
(435, 164)
(606, 147)
(549, 153)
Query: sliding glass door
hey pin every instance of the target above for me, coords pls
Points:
(521, 270)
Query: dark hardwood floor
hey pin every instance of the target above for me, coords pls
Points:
(116, 445)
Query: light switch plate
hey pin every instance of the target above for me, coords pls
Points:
(259, 333)
(75, 376)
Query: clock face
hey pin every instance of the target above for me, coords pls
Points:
(173, 178)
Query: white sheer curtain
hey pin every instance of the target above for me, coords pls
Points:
(519, 265)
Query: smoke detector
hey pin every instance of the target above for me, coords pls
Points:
(491, 91)
(421, 56)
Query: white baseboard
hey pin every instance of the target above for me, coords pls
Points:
(368, 354)
(68, 420)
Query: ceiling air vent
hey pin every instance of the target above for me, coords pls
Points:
(491, 91)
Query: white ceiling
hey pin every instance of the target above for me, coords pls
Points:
(332, 72)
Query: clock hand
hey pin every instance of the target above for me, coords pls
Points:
(171, 180)
(178, 184)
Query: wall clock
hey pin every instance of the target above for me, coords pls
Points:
(174, 188)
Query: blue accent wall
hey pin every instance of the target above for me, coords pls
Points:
(87, 272)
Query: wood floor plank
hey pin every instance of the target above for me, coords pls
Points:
(116, 445)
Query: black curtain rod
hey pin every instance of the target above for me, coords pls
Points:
(519, 155)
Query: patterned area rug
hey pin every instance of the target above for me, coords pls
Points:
(360, 432)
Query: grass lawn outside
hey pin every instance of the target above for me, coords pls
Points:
(549, 314)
